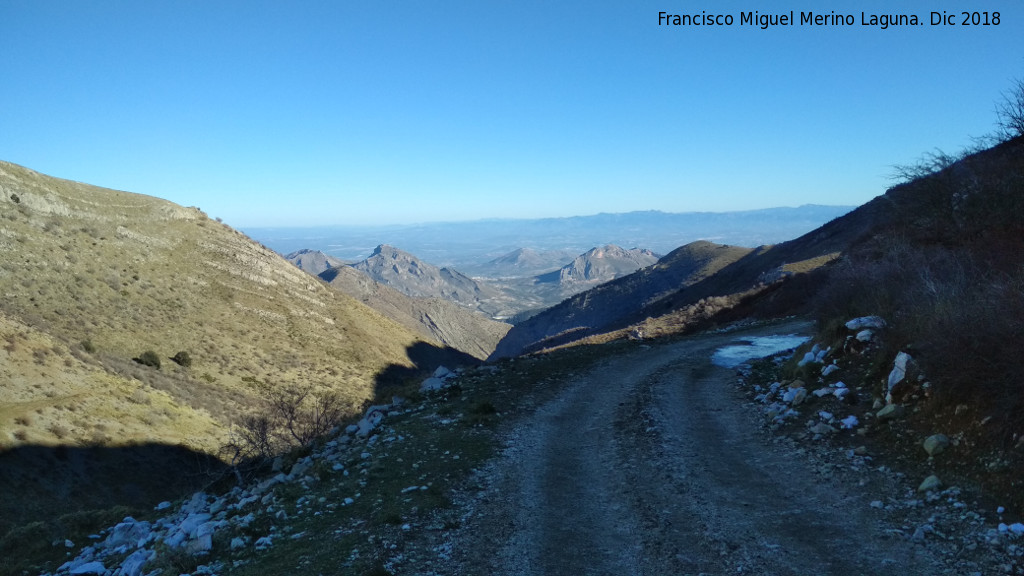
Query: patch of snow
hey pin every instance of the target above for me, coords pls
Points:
(758, 347)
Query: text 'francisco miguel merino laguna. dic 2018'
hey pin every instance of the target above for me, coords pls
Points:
(883, 21)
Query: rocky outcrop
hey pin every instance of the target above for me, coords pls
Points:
(418, 279)
(313, 261)
(433, 318)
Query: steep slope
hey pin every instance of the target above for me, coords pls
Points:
(106, 275)
(313, 261)
(414, 277)
(432, 318)
(603, 305)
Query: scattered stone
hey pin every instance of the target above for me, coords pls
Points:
(89, 568)
(890, 412)
(930, 483)
(936, 444)
(431, 384)
(865, 335)
(899, 370)
(875, 322)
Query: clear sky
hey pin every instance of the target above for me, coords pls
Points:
(378, 112)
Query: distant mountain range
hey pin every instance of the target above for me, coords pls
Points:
(597, 307)
(514, 293)
(465, 245)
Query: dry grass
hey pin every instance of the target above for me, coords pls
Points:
(91, 278)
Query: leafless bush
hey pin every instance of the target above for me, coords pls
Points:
(1010, 113)
(291, 417)
(961, 313)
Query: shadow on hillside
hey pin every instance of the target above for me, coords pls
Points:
(426, 358)
(59, 485)
(51, 492)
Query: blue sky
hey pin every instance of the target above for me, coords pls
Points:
(313, 113)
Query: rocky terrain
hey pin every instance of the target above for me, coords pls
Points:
(313, 261)
(600, 265)
(418, 279)
(618, 442)
(433, 318)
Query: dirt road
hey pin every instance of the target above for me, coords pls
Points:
(649, 464)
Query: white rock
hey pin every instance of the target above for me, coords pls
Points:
(829, 369)
(128, 533)
(132, 565)
(89, 568)
(850, 422)
(441, 372)
(237, 542)
(431, 384)
(163, 505)
(865, 335)
(875, 322)
(196, 504)
(899, 369)
(791, 393)
(300, 468)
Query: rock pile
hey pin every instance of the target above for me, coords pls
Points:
(133, 548)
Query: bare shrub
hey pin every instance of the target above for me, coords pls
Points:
(960, 309)
(1010, 113)
(291, 417)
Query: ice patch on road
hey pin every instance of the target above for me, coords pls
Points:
(756, 347)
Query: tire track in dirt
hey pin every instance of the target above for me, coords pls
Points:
(649, 464)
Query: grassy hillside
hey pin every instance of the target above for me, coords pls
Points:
(432, 318)
(92, 278)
